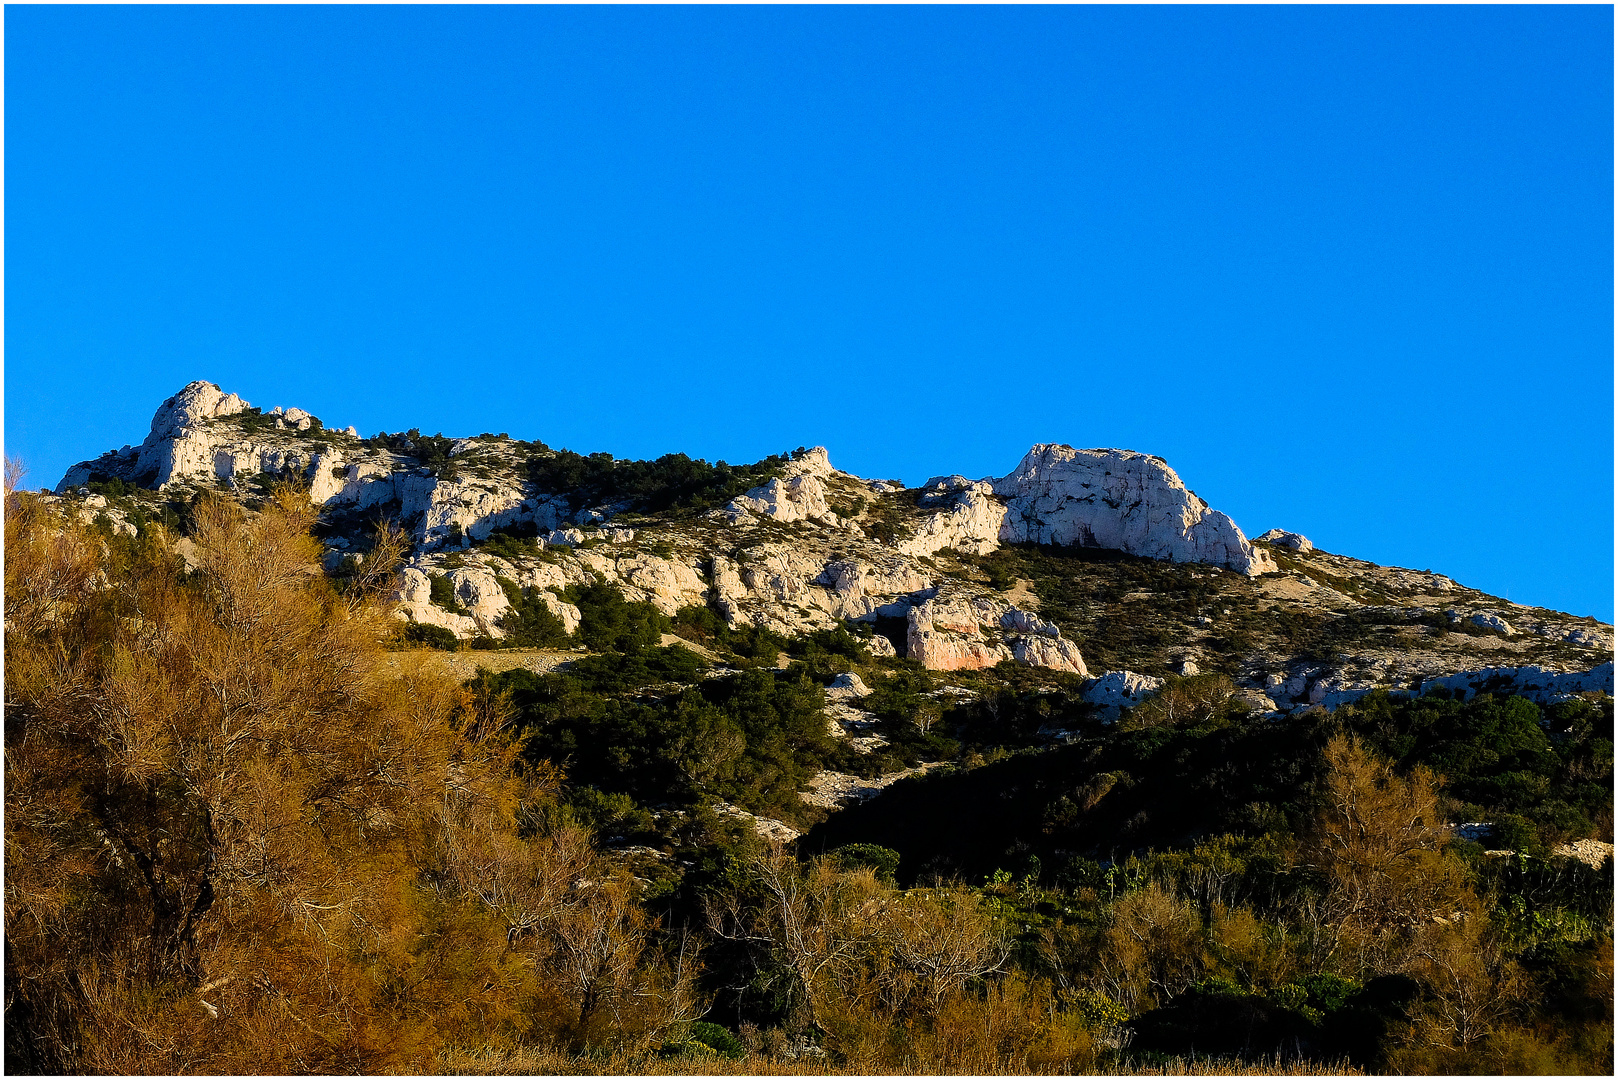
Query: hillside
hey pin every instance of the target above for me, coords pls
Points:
(1077, 561)
(1055, 771)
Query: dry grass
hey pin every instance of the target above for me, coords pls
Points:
(490, 1061)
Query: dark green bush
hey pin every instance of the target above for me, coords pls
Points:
(885, 861)
(530, 623)
(671, 481)
(719, 1040)
(441, 591)
(434, 637)
(608, 622)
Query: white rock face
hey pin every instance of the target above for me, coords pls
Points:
(413, 597)
(971, 522)
(860, 590)
(798, 494)
(666, 585)
(964, 632)
(1117, 689)
(947, 634)
(1122, 500)
(473, 507)
(196, 402)
(1060, 654)
(1281, 538)
(1535, 683)
(1493, 622)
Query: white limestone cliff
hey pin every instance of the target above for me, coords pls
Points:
(1121, 500)
(970, 521)
(958, 630)
(798, 494)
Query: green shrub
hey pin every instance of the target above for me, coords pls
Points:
(717, 1039)
(434, 637)
(608, 622)
(885, 861)
(530, 623)
(441, 591)
(673, 481)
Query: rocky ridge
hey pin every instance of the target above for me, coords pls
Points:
(912, 570)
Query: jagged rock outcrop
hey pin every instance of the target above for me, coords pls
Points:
(665, 584)
(947, 635)
(413, 595)
(164, 451)
(1121, 689)
(1122, 500)
(781, 558)
(1290, 540)
(863, 590)
(1529, 681)
(970, 521)
(959, 631)
(798, 494)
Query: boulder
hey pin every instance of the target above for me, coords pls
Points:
(856, 589)
(1118, 689)
(1295, 541)
(1058, 654)
(962, 631)
(1493, 622)
(413, 599)
(970, 522)
(847, 687)
(1121, 500)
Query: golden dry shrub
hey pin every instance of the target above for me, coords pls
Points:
(1377, 845)
(237, 840)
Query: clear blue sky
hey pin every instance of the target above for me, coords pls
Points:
(1348, 269)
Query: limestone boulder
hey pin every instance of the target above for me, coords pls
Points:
(970, 520)
(663, 583)
(1119, 689)
(880, 646)
(412, 598)
(847, 687)
(1291, 540)
(1058, 654)
(1121, 500)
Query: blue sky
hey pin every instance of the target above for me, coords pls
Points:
(1348, 269)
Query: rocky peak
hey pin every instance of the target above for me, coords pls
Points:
(1122, 500)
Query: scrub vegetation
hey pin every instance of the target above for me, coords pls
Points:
(245, 835)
